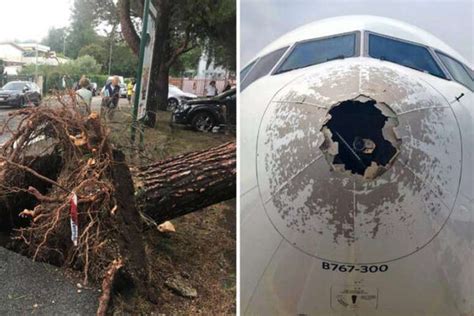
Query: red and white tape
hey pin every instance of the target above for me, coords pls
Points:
(74, 220)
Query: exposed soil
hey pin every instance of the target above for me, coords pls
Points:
(203, 249)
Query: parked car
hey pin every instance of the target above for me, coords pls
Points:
(121, 80)
(176, 96)
(93, 88)
(20, 93)
(123, 90)
(206, 113)
(121, 84)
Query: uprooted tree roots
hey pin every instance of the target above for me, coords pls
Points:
(75, 157)
(87, 167)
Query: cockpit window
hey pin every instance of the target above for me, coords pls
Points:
(403, 53)
(457, 70)
(245, 71)
(471, 72)
(319, 51)
(261, 68)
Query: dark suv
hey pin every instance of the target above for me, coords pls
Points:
(203, 114)
(19, 93)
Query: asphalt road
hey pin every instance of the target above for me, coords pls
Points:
(4, 111)
(29, 287)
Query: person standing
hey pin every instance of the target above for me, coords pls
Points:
(211, 90)
(228, 86)
(130, 89)
(84, 96)
(111, 97)
(64, 82)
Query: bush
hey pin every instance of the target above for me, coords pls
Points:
(72, 71)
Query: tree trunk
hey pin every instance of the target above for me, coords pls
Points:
(128, 29)
(158, 90)
(162, 56)
(158, 95)
(165, 190)
(187, 183)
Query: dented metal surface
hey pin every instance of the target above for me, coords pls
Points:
(325, 210)
(301, 210)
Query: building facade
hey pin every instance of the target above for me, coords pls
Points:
(16, 55)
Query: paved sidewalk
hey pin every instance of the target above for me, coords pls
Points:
(28, 287)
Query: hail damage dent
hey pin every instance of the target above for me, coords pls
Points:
(327, 210)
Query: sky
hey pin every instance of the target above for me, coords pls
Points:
(31, 19)
(262, 21)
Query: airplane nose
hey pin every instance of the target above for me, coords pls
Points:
(358, 162)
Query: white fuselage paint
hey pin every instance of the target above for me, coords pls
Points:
(413, 226)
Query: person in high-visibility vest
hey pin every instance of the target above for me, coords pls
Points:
(130, 89)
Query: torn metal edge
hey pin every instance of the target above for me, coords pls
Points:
(330, 148)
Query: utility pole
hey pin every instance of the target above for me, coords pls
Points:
(110, 58)
(143, 43)
(64, 43)
(111, 48)
(36, 63)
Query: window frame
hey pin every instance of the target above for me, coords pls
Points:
(469, 71)
(357, 51)
(451, 78)
(256, 61)
(250, 65)
(361, 49)
(430, 50)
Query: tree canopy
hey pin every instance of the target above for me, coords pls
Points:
(181, 27)
(56, 39)
(95, 31)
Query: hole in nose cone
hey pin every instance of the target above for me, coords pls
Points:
(359, 137)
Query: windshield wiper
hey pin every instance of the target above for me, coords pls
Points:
(286, 70)
(337, 57)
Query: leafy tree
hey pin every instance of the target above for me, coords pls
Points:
(181, 26)
(56, 39)
(124, 62)
(221, 44)
(97, 51)
(186, 62)
(83, 65)
(84, 22)
(91, 18)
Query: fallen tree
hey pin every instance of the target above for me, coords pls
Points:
(184, 184)
(79, 204)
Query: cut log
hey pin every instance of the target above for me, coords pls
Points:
(187, 183)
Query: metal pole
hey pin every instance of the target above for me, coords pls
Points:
(140, 68)
(110, 58)
(64, 43)
(36, 64)
(110, 49)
